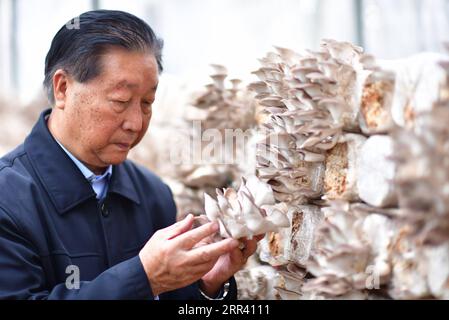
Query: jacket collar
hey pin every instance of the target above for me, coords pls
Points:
(63, 181)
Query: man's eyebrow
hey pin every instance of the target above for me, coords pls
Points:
(125, 83)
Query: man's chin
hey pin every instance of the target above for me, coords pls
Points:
(116, 159)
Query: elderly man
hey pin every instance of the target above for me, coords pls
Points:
(78, 220)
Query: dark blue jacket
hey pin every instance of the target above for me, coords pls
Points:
(50, 220)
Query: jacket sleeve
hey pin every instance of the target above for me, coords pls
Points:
(22, 275)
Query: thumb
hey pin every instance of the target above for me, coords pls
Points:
(180, 227)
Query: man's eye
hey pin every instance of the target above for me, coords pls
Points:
(146, 105)
(118, 105)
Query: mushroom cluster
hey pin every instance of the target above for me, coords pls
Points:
(222, 104)
(366, 196)
(257, 282)
(310, 135)
(247, 212)
(351, 252)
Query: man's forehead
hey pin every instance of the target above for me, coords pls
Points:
(129, 84)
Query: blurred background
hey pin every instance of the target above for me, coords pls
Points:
(230, 32)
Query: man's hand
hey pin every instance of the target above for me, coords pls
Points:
(227, 265)
(171, 260)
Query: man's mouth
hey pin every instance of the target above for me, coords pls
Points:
(123, 146)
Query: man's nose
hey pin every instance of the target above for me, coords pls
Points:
(133, 118)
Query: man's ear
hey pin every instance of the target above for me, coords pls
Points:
(61, 83)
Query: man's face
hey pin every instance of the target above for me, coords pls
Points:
(107, 116)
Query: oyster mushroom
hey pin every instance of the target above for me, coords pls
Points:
(351, 251)
(257, 283)
(246, 212)
(291, 280)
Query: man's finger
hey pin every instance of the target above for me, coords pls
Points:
(179, 227)
(189, 239)
(237, 255)
(203, 267)
(212, 251)
(250, 248)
